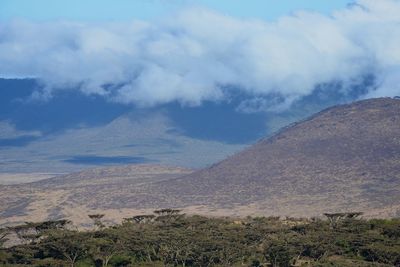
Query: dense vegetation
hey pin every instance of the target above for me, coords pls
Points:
(169, 238)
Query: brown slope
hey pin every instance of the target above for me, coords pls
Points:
(343, 158)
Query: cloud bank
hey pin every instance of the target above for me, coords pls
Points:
(199, 55)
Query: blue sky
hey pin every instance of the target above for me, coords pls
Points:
(148, 9)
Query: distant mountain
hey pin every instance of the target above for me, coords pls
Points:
(72, 131)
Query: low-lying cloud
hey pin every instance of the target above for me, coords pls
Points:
(199, 55)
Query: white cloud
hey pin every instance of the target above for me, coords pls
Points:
(191, 56)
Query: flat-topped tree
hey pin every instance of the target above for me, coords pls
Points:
(168, 215)
(27, 232)
(334, 218)
(31, 231)
(97, 220)
(352, 215)
(165, 212)
(52, 225)
(140, 218)
(343, 215)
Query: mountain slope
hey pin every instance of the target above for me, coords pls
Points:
(343, 158)
(346, 158)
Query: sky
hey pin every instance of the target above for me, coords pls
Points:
(151, 9)
(153, 52)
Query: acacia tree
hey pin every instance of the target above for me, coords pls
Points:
(284, 248)
(177, 251)
(32, 232)
(335, 218)
(104, 248)
(163, 212)
(52, 225)
(140, 219)
(3, 236)
(168, 215)
(68, 245)
(97, 220)
(26, 233)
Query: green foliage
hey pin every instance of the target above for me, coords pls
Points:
(173, 239)
(70, 246)
(4, 257)
(3, 236)
(121, 260)
(386, 253)
(102, 246)
(49, 262)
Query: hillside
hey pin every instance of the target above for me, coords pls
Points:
(345, 158)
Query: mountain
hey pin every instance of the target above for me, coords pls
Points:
(345, 158)
(72, 131)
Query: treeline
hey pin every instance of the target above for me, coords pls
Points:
(169, 238)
